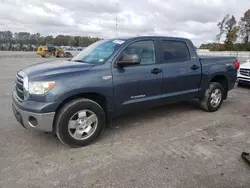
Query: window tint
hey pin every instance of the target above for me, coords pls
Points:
(175, 51)
(144, 49)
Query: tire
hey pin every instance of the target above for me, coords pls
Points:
(240, 84)
(206, 103)
(68, 55)
(68, 111)
(60, 54)
(46, 54)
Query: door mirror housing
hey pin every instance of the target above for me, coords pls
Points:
(132, 59)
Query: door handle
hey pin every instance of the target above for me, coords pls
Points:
(156, 71)
(194, 67)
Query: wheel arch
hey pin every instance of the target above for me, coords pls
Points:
(97, 97)
(222, 79)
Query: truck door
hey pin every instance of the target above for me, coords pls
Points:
(138, 86)
(181, 71)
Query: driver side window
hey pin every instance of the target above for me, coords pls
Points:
(144, 49)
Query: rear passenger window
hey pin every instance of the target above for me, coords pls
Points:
(175, 51)
(144, 49)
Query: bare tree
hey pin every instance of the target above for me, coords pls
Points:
(231, 32)
(222, 25)
(245, 27)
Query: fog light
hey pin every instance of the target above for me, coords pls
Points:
(32, 121)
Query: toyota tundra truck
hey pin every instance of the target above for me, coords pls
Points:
(76, 98)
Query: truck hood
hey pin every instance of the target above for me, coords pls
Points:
(245, 65)
(55, 67)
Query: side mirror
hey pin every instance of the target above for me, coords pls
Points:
(133, 59)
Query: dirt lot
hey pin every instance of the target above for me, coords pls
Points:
(176, 146)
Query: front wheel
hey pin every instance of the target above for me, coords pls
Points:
(240, 84)
(46, 54)
(60, 54)
(213, 98)
(80, 122)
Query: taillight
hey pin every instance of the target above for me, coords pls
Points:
(237, 65)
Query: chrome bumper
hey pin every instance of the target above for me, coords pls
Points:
(39, 121)
(243, 80)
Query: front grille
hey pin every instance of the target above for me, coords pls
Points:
(245, 72)
(19, 87)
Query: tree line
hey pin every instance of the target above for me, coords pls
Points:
(26, 38)
(233, 35)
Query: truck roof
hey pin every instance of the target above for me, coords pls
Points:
(150, 37)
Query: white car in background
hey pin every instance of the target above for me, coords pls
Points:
(243, 77)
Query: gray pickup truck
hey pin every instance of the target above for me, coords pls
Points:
(76, 98)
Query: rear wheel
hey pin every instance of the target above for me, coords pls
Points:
(80, 122)
(213, 98)
(68, 54)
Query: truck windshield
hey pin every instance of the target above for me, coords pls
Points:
(98, 52)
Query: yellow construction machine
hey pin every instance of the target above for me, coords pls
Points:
(51, 50)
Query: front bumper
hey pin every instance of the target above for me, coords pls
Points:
(243, 80)
(39, 121)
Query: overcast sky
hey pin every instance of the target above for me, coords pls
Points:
(195, 19)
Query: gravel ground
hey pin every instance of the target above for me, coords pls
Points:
(176, 146)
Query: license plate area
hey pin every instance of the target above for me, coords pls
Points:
(17, 116)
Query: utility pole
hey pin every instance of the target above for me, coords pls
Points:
(116, 24)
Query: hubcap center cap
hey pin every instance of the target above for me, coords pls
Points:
(81, 124)
(216, 97)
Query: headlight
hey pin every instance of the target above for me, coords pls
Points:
(26, 83)
(40, 88)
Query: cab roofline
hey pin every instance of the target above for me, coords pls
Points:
(146, 37)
